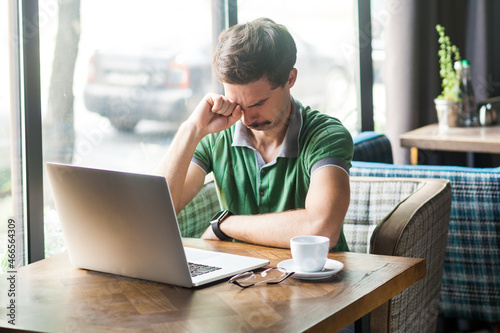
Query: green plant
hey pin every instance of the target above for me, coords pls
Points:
(448, 55)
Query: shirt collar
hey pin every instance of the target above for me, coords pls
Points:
(290, 146)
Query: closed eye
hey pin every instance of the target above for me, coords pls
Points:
(259, 103)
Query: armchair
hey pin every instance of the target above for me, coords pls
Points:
(407, 217)
(195, 217)
(372, 147)
(470, 284)
(402, 217)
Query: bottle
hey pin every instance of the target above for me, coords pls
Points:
(468, 111)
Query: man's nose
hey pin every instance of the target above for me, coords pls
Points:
(249, 116)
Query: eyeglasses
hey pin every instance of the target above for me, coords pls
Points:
(269, 276)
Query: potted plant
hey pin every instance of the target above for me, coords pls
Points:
(448, 102)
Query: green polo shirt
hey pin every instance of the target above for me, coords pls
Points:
(248, 186)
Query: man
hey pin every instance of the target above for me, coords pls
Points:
(280, 168)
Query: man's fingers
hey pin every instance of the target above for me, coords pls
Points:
(236, 113)
(223, 106)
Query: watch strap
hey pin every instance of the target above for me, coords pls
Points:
(216, 221)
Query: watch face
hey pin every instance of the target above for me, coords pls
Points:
(221, 215)
(218, 216)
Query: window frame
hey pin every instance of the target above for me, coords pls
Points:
(28, 44)
(365, 65)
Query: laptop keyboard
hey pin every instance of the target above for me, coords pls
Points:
(199, 269)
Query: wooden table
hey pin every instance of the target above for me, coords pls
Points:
(460, 139)
(51, 295)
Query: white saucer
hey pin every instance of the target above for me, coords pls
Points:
(331, 267)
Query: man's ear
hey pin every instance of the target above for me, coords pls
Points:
(292, 77)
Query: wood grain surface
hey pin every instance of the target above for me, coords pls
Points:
(53, 296)
(482, 139)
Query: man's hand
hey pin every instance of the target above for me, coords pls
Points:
(215, 113)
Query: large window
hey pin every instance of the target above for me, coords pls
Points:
(6, 211)
(117, 77)
(134, 74)
(11, 192)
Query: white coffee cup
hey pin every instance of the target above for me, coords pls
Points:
(310, 252)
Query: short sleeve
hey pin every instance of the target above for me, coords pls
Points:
(328, 142)
(202, 155)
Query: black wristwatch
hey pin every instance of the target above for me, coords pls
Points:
(216, 221)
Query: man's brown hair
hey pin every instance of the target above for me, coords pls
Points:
(258, 49)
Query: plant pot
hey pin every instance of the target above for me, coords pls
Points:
(447, 113)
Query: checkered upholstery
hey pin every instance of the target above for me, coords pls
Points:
(402, 217)
(470, 283)
(195, 218)
(370, 203)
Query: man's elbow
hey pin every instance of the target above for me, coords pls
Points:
(327, 228)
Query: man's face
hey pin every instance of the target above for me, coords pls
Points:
(263, 108)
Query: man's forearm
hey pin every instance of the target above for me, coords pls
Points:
(175, 163)
(326, 204)
(276, 229)
(213, 114)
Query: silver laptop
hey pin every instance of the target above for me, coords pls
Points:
(125, 223)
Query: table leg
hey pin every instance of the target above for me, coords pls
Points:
(470, 159)
(414, 155)
(362, 325)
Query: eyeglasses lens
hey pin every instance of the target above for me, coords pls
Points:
(269, 276)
